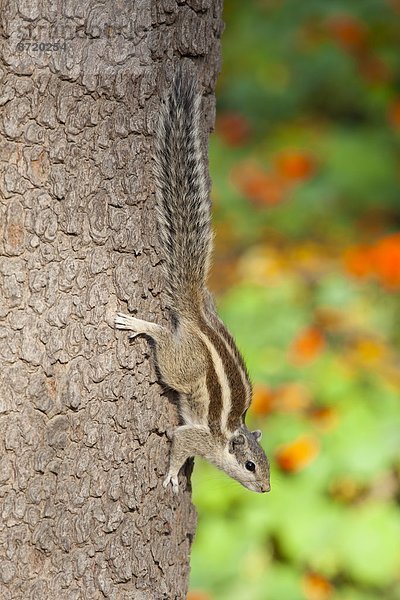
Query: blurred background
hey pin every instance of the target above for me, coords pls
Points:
(305, 167)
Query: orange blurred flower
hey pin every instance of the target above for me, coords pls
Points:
(296, 455)
(263, 399)
(347, 31)
(292, 397)
(324, 417)
(395, 4)
(198, 595)
(381, 259)
(257, 185)
(394, 114)
(358, 260)
(233, 128)
(386, 256)
(289, 397)
(317, 587)
(294, 165)
(308, 345)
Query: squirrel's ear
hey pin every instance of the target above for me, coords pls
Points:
(257, 434)
(236, 440)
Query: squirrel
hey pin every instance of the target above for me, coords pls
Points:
(199, 358)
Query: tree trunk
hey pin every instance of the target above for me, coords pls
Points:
(83, 513)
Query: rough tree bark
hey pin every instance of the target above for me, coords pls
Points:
(83, 451)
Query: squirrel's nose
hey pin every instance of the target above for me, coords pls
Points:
(266, 487)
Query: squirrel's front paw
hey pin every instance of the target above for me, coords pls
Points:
(120, 321)
(173, 479)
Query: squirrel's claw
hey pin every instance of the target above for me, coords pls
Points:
(120, 321)
(132, 336)
(169, 432)
(173, 479)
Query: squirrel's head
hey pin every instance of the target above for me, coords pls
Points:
(245, 460)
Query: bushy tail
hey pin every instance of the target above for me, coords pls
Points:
(183, 202)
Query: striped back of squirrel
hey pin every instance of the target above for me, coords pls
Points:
(229, 368)
(183, 202)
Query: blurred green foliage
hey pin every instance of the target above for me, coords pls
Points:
(305, 168)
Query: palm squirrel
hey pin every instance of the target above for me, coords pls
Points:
(199, 358)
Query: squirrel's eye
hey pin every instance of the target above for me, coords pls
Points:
(250, 466)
